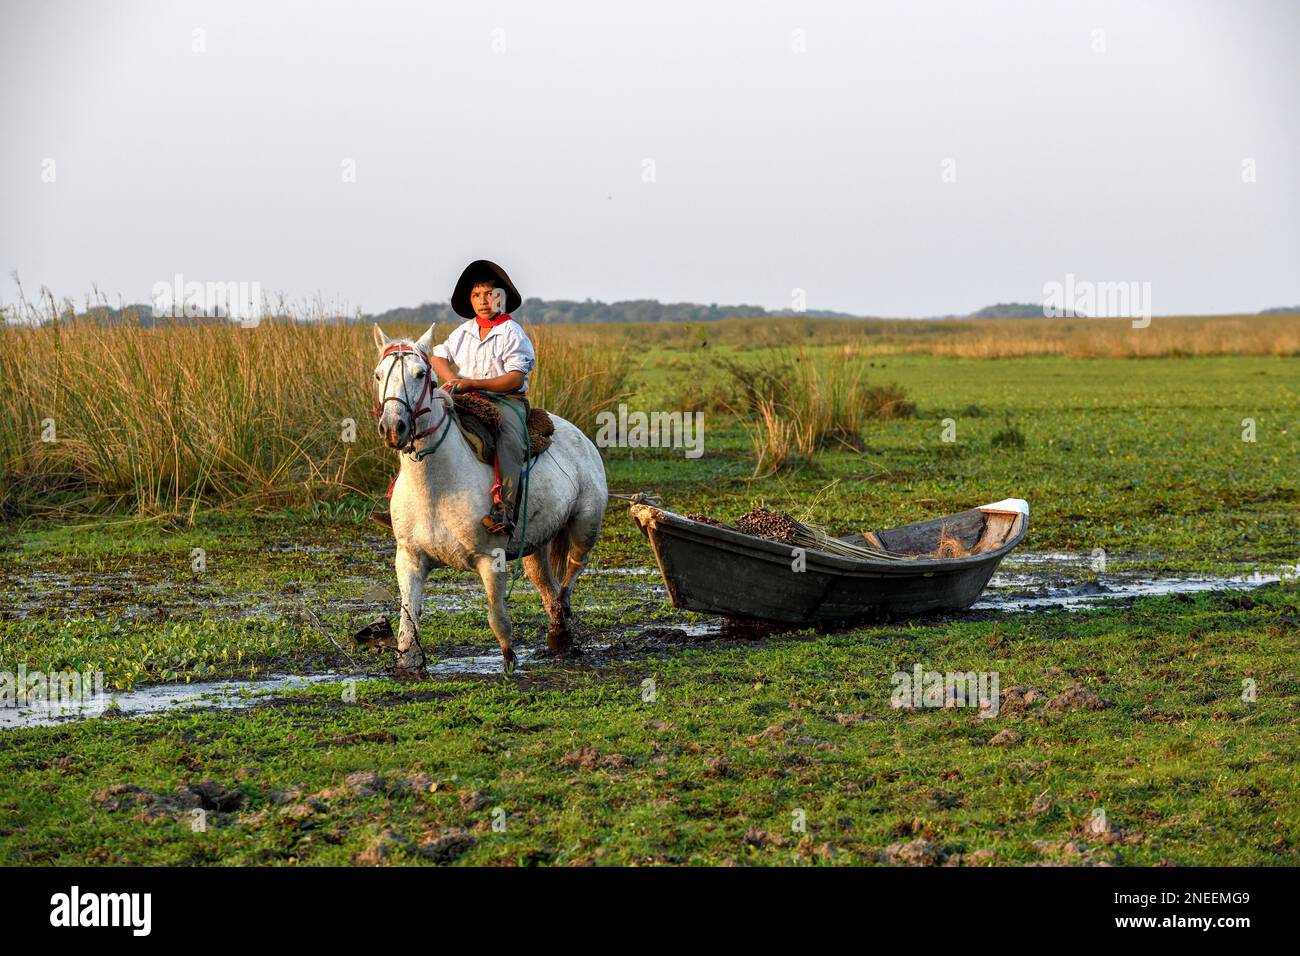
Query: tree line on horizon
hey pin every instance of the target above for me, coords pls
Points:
(572, 312)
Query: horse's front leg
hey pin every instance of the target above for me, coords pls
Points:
(495, 583)
(412, 567)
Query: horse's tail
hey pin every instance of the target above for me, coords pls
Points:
(559, 554)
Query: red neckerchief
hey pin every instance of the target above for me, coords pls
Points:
(493, 322)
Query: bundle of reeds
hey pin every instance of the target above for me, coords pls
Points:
(778, 526)
(704, 519)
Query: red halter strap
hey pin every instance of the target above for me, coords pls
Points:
(421, 406)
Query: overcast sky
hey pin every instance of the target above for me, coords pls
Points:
(793, 146)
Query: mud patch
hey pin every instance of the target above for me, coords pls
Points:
(1076, 698)
(589, 758)
(919, 852)
(207, 795)
(445, 849)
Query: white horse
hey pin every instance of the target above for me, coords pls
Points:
(442, 492)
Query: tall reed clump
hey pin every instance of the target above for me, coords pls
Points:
(157, 420)
(794, 404)
(165, 420)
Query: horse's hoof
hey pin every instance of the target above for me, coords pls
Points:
(559, 641)
(508, 662)
(410, 670)
(562, 650)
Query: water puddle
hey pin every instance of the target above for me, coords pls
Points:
(218, 695)
(238, 695)
(158, 698)
(706, 629)
(1066, 581)
(479, 665)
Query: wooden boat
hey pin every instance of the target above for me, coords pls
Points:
(719, 570)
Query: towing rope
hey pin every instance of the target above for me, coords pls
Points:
(641, 498)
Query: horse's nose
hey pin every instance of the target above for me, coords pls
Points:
(391, 431)
(401, 427)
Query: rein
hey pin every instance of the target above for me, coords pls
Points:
(421, 403)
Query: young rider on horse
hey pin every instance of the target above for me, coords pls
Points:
(491, 353)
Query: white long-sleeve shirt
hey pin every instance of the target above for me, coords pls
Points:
(506, 348)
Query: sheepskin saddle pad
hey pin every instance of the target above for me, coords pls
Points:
(479, 419)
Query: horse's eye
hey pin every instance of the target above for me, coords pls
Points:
(419, 374)
(376, 376)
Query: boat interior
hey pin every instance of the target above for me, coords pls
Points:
(976, 531)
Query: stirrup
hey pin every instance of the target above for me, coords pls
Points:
(499, 522)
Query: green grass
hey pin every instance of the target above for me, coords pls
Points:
(1187, 771)
(1132, 456)
(1142, 458)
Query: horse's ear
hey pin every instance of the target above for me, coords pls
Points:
(425, 341)
(381, 340)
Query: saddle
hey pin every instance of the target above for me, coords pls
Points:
(479, 420)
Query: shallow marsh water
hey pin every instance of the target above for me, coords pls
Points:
(1027, 582)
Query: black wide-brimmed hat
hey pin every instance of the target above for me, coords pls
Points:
(483, 270)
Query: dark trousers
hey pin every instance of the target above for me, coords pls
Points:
(512, 444)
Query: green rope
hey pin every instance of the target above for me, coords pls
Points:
(523, 477)
(426, 452)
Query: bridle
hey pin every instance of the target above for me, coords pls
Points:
(421, 407)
